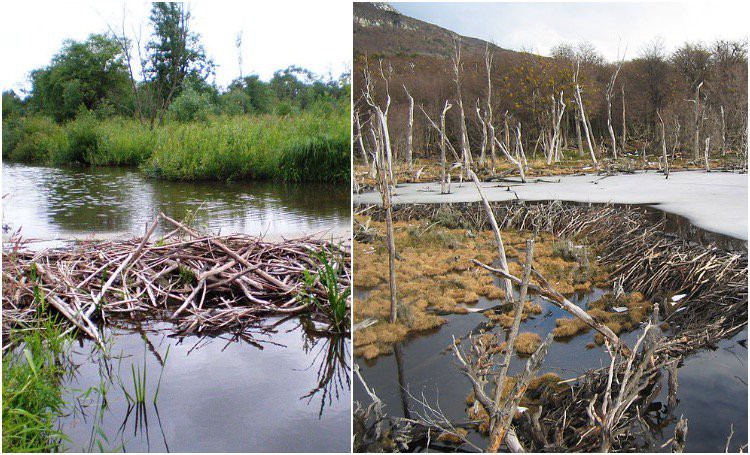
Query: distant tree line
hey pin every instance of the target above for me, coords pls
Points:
(697, 92)
(111, 74)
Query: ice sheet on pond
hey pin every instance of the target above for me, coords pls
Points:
(714, 201)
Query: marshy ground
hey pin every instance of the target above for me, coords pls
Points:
(435, 277)
(412, 370)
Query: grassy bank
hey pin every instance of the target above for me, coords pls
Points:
(309, 146)
(32, 398)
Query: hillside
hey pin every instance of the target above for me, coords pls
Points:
(380, 29)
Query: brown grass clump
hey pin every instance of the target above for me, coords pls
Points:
(548, 379)
(491, 292)
(527, 343)
(456, 438)
(568, 327)
(638, 310)
(435, 275)
(533, 308)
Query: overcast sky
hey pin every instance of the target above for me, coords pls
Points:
(537, 27)
(276, 34)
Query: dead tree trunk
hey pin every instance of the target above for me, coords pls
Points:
(522, 154)
(483, 146)
(443, 140)
(488, 118)
(506, 131)
(624, 127)
(579, 101)
(409, 127)
(723, 132)
(664, 146)
(697, 125)
(385, 192)
(498, 238)
(360, 140)
(706, 154)
(554, 146)
(579, 142)
(676, 142)
(382, 116)
(608, 96)
(457, 69)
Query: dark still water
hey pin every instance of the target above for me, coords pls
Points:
(54, 203)
(712, 393)
(288, 392)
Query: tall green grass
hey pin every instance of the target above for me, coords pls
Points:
(308, 146)
(32, 398)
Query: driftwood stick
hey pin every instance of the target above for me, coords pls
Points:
(547, 291)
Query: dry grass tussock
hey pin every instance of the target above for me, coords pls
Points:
(435, 277)
(636, 306)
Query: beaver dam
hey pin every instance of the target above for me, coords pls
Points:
(661, 320)
(191, 341)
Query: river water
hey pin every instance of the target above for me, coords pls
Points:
(57, 204)
(286, 390)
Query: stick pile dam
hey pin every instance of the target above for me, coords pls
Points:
(202, 283)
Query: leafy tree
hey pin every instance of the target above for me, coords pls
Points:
(12, 105)
(82, 74)
(174, 54)
(191, 106)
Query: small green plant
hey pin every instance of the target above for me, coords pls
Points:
(31, 395)
(161, 373)
(186, 275)
(336, 308)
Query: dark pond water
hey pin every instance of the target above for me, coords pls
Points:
(288, 392)
(55, 203)
(214, 395)
(712, 394)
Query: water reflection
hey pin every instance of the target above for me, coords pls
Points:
(331, 353)
(159, 393)
(54, 202)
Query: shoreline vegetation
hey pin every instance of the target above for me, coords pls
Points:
(95, 103)
(309, 146)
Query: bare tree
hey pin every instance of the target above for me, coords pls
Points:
(676, 141)
(706, 154)
(498, 237)
(488, 117)
(624, 126)
(608, 96)
(358, 135)
(698, 116)
(664, 158)
(483, 146)
(558, 109)
(457, 70)
(385, 176)
(579, 102)
(381, 113)
(723, 132)
(409, 127)
(443, 141)
(579, 142)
